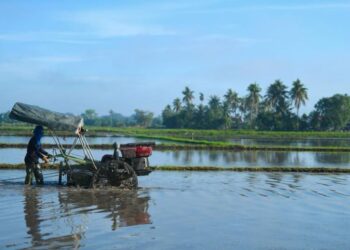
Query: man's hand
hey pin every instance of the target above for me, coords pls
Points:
(46, 159)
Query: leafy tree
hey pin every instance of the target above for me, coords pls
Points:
(314, 120)
(168, 117)
(226, 112)
(215, 112)
(90, 117)
(201, 117)
(143, 118)
(157, 122)
(5, 118)
(269, 120)
(303, 123)
(332, 113)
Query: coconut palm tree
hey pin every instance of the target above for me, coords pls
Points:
(188, 96)
(226, 112)
(231, 100)
(201, 97)
(214, 112)
(299, 96)
(214, 102)
(253, 100)
(277, 98)
(177, 105)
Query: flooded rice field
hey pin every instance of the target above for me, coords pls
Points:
(219, 158)
(70, 140)
(306, 142)
(180, 210)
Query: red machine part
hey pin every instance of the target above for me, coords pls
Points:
(136, 152)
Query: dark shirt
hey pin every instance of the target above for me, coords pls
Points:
(34, 151)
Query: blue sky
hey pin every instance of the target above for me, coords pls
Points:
(121, 55)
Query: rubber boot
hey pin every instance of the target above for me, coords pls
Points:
(39, 178)
(29, 176)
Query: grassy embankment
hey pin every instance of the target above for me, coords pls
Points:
(219, 135)
(177, 139)
(209, 168)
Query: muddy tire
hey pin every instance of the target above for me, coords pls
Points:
(120, 174)
(131, 181)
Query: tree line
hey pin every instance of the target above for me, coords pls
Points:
(277, 109)
(140, 118)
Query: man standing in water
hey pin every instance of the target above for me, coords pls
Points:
(34, 152)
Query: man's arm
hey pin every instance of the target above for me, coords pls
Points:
(41, 153)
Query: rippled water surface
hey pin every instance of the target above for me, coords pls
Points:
(180, 210)
(220, 158)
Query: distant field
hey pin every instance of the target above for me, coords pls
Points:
(170, 134)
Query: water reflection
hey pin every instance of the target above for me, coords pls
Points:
(333, 158)
(48, 221)
(228, 208)
(308, 142)
(250, 158)
(220, 158)
(123, 208)
(70, 140)
(33, 207)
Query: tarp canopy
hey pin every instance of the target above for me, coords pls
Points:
(39, 116)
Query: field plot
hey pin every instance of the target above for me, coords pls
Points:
(172, 210)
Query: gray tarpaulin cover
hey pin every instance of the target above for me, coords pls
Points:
(39, 116)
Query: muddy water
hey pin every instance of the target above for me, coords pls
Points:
(220, 158)
(179, 210)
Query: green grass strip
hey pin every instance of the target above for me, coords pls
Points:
(189, 133)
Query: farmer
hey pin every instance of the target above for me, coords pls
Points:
(34, 152)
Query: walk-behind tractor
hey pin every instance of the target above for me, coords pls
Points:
(119, 169)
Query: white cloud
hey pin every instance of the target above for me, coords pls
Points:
(113, 23)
